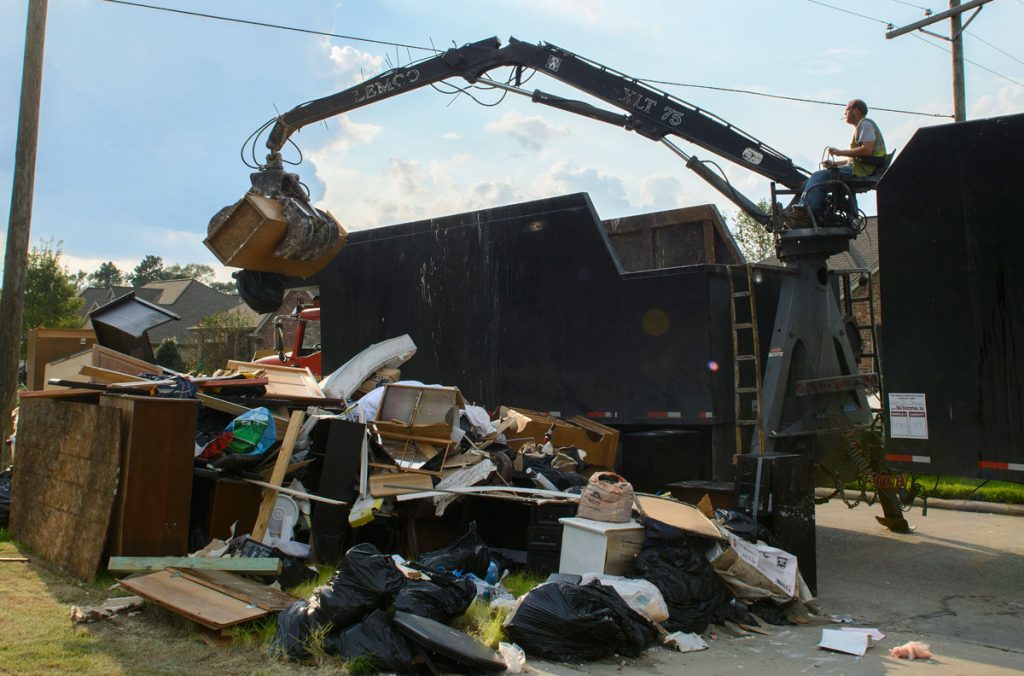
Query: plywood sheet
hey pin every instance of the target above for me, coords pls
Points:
(179, 594)
(105, 358)
(64, 369)
(243, 589)
(63, 491)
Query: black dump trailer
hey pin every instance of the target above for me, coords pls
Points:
(544, 306)
(951, 240)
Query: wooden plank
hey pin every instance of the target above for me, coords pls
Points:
(64, 369)
(285, 381)
(284, 456)
(218, 404)
(63, 492)
(277, 488)
(106, 376)
(243, 589)
(245, 565)
(197, 602)
(76, 393)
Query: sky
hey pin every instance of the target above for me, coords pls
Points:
(144, 112)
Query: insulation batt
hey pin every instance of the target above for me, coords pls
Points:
(911, 650)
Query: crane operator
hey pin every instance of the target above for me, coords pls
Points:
(867, 152)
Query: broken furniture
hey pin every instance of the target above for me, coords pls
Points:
(151, 514)
(415, 423)
(122, 324)
(599, 441)
(248, 234)
(590, 546)
(47, 345)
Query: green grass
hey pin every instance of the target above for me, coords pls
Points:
(482, 623)
(5, 535)
(519, 583)
(961, 488)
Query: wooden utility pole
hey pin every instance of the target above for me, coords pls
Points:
(956, 30)
(12, 304)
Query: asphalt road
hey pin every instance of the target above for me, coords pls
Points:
(956, 583)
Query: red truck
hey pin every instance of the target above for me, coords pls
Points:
(305, 352)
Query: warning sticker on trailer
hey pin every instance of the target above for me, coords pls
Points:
(908, 416)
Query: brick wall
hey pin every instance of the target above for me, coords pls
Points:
(265, 339)
(862, 314)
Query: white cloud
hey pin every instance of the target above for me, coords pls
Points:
(606, 190)
(1007, 100)
(661, 192)
(348, 134)
(532, 131)
(352, 65)
(451, 136)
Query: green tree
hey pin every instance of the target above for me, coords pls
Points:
(51, 299)
(224, 287)
(149, 269)
(196, 271)
(106, 276)
(223, 336)
(167, 354)
(754, 240)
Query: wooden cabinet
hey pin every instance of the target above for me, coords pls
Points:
(151, 511)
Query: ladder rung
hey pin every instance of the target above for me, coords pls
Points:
(746, 422)
(746, 390)
(746, 357)
(741, 294)
(745, 325)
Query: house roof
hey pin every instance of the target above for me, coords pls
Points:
(189, 299)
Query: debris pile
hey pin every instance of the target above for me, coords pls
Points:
(265, 474)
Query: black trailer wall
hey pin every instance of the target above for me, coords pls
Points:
(951, 240)
(528, 305)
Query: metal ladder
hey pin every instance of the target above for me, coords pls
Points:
(871, 358)
(746, 366)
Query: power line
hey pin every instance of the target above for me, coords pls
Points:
(786, 98)
(270, 25)
(995, 48)
(846, 11)
(973, 63)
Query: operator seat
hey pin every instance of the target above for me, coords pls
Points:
(860, 184)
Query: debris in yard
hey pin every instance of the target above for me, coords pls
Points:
(912, 650)
(575, 623)
(106, 610)
(855, 643)
(245, 565)
(515, 658)
(607, 497)
(448, 645)
(684, 642)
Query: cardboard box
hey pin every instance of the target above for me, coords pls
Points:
(599, 441)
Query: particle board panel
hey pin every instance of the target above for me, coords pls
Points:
(112, 360)
(199, 603)
(67, 368)
(63, 492)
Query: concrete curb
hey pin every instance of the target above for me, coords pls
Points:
(938, 503)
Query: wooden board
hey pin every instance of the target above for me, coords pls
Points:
(247, 565)
(284, 456)
(243, 589)
(384, 484)
(105, 358)
(63, 492)
(49, 345)
(285, 381)
(198, 602)
(106, 376)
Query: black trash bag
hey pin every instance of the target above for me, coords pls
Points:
(683, 575)
(366, 580)
(262, 291)
(293, 628)
(440, 598)
(375, 638)
(771, 612)
(561, 480)
(573, 623)
(5, 497)
(467, 554)
(744, 526)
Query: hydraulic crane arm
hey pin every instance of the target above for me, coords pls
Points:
(648, 111)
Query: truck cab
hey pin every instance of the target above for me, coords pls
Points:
(305, 347)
